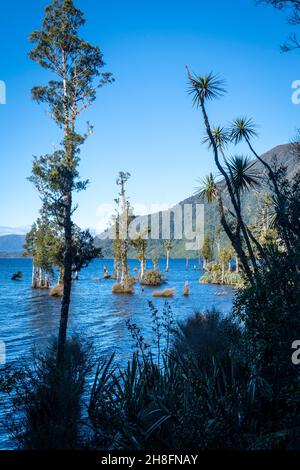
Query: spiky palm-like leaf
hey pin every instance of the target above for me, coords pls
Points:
(205, 87)
(209, 190)
(221, 137)
(168, 245)
(242, 128)
(243, 174)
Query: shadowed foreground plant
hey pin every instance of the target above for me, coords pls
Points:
(202, 393)
(47, 400)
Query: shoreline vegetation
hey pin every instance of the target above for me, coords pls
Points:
(216, 274)
(212, 382)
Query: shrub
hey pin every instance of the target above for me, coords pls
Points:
(210, 403)
(207, 336)
(152, 278)
(270, 312)
(215, 277)
(46, 401)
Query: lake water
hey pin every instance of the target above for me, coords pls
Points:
(30, 317)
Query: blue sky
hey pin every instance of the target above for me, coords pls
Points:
(144, 123)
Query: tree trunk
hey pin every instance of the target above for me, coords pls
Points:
(232, 197)
(124, 261)
(40, 279)
(60, 276)
(142, 269)
(64, 314)
(33, 277)
(167, 265)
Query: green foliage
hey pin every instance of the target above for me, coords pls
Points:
(59, 48)
(205, 337)
(46, 399)
(225, 255)
(229, 279)
(209, 190)
(44, 242)
(75, 67)
(168, 245)
(84, 250)
(205, 87)
(206, 250)
(199, 394)
(44, 245)
(243, 175)
(140, 245)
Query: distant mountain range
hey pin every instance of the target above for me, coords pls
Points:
(13, 230)
(282, 155)
(11, 243)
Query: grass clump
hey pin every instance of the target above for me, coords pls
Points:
(126, 287)
(57, 291)
(166, 293)
(153, 278)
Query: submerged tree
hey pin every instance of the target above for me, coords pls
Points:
(117, 244)
(224, 259)
(75, 65)
(140, 243)
(206, 251)
(123, 220)
(168, 248)
(44, 242)
(42, 245)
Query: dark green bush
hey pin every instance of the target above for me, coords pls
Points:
(208, 336)
(200, 394)
(47, 400)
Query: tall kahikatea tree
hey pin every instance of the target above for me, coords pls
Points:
(124, 215)
(75, 65)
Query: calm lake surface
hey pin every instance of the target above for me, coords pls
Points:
(29, 318)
